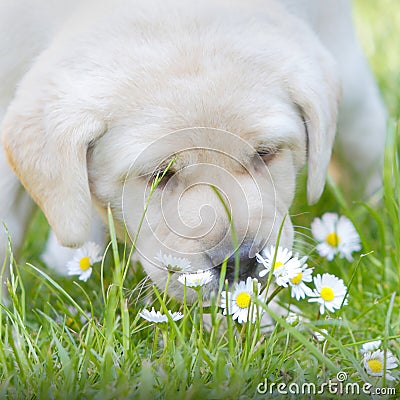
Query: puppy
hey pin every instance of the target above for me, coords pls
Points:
(233, 97)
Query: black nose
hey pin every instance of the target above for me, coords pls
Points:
(247, 263)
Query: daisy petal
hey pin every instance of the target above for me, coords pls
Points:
(336, 235)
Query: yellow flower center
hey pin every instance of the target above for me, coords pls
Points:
(278, 264)
(72, 323)
(327, 294)
(84, 263)
(243, 300)
(375, 366)
(332, 239)
(297, 279)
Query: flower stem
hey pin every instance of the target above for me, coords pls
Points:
(199, 294)
(274, 294)
(165, 338)
(166, 287)
(155, 342)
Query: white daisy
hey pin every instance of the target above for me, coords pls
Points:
(321, 335)
(370, 346)
(284, 268)
(329, 292)
(157, 317)
(374, 363)
(292, 318)
(199, 278)
(84, 258)
(173, 263)
(299, 289)
(266, 258)
(336, 235)
(289, 271)
(239, 303)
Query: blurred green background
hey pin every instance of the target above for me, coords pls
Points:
(378, 27)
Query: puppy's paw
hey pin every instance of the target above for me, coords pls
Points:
(56, 256)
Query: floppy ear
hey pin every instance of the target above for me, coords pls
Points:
(317, 92)
(46, 133)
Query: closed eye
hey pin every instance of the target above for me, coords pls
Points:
(161, 177)
(163, 174)
(267, 155)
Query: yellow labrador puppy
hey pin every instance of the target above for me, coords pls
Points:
(98, 98)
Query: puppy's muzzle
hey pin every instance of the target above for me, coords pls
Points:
(248, 266)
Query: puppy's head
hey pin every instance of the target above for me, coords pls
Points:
(234, 111)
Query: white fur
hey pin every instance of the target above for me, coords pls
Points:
(56, 256)
(95, 108)
(362, 116)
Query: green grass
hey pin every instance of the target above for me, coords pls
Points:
(64, 339)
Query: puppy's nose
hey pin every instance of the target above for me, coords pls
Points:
(247, 262)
